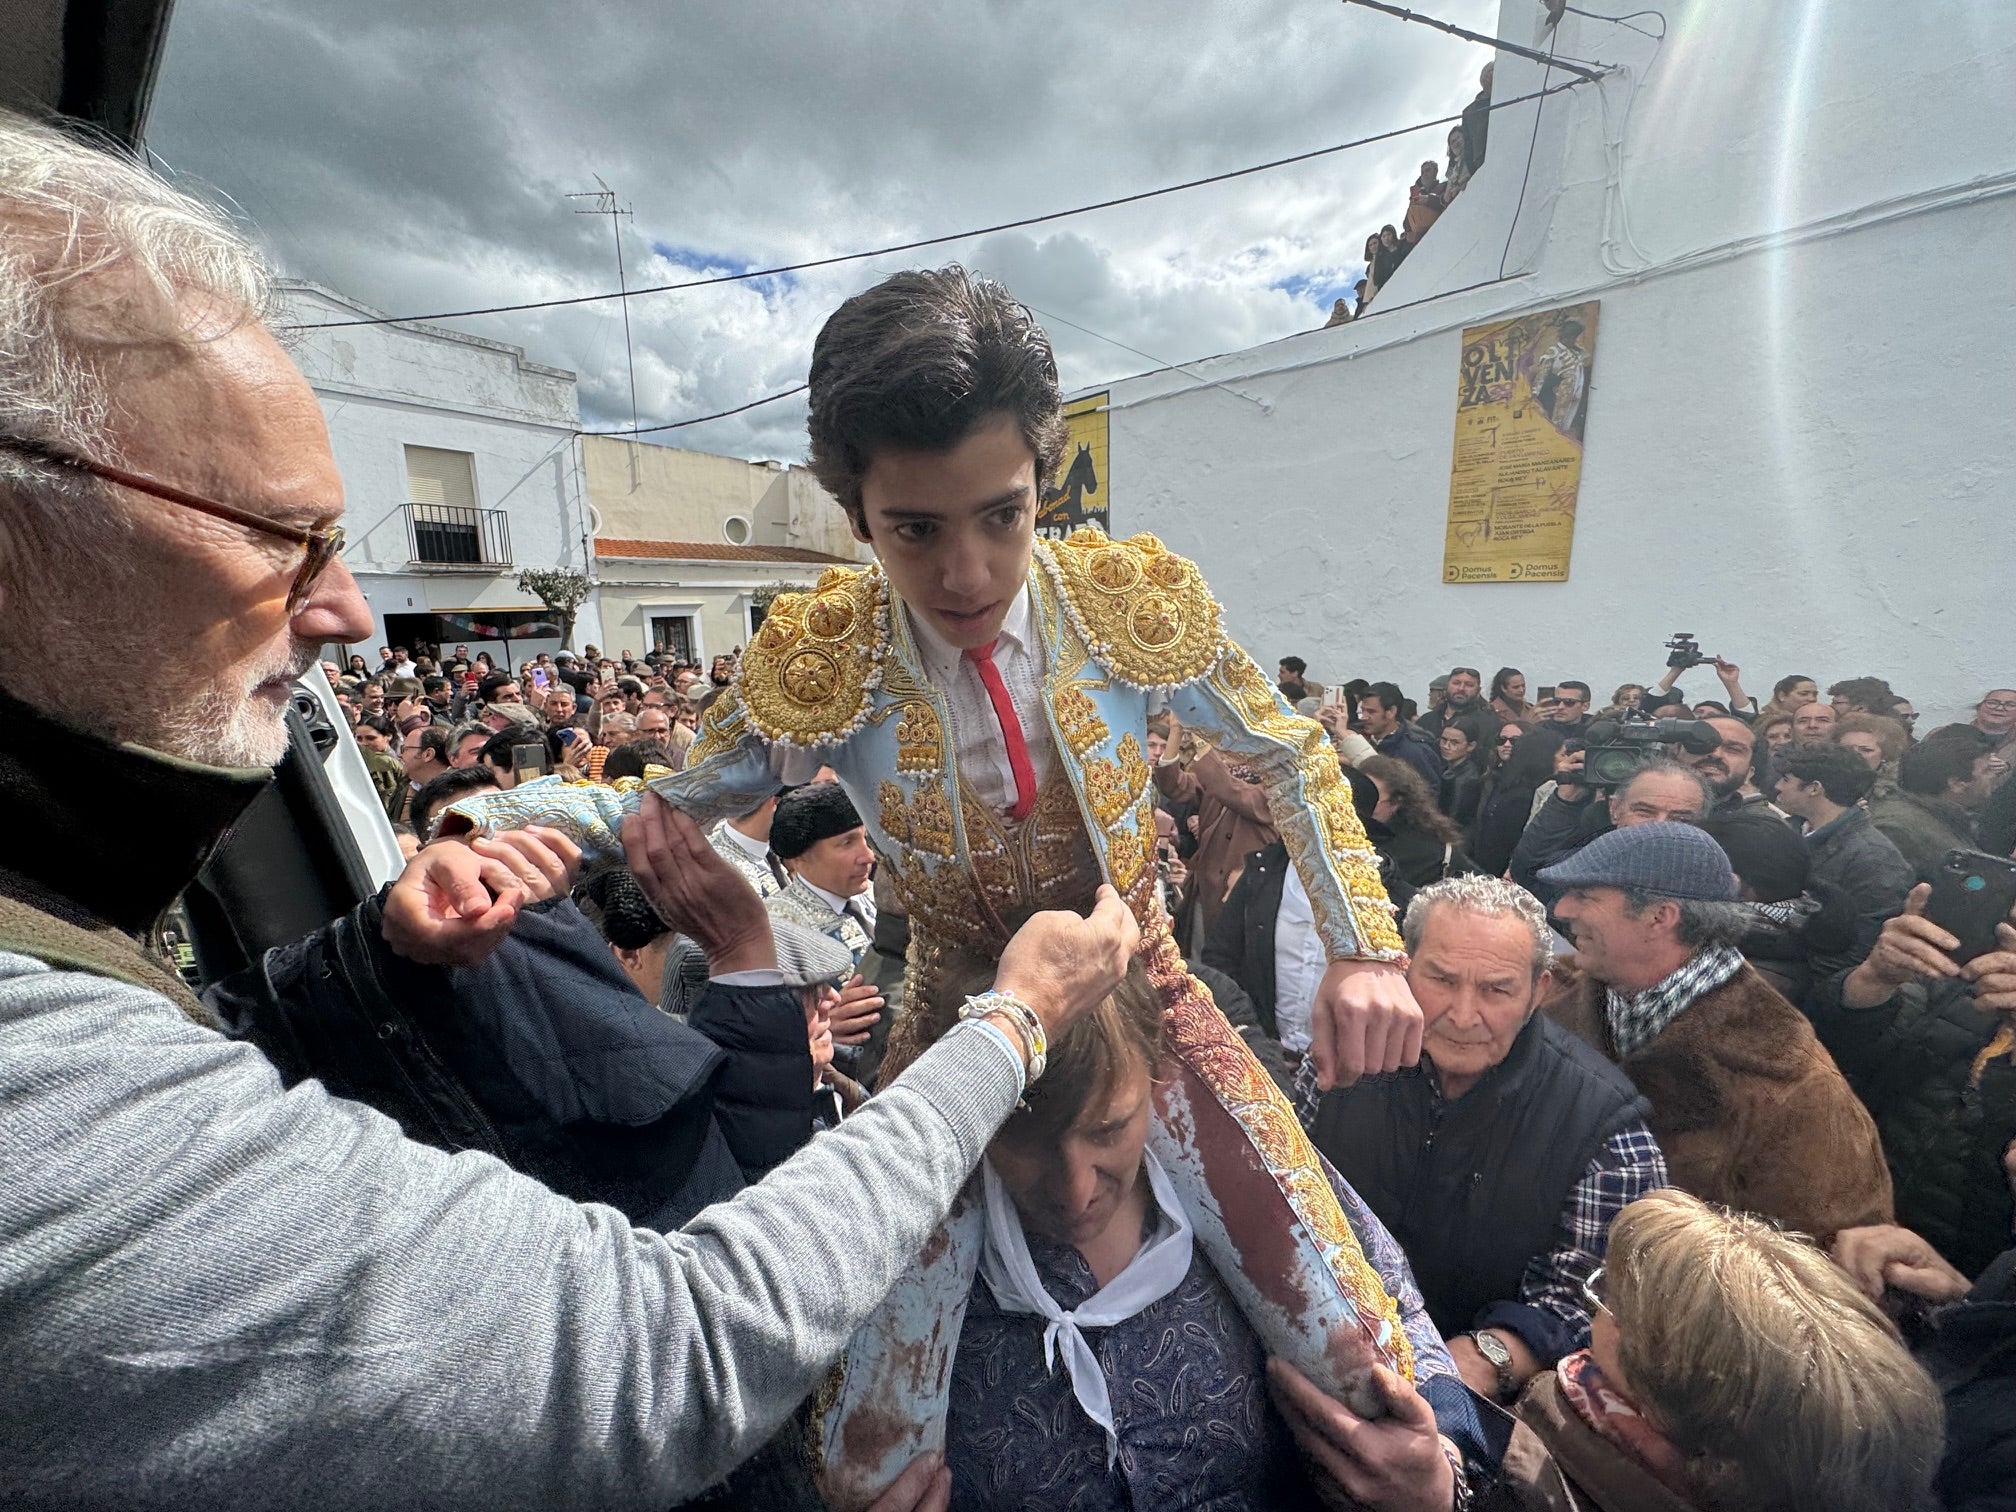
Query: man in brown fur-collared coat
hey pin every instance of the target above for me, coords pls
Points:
(1749, 1108)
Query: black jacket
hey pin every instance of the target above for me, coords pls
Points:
(1970, 1353)
(1502, 811)
(1462, 790)
(543, 1055)
(764, 1097)
(1242, 937)
(1473, 1189)
(1857, 858)
(1558, 831)
(1910, 1061)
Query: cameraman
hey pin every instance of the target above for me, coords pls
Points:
(1661, 789)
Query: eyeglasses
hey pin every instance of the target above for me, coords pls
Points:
(323, 545)
(1592, 1292)
(2000, 705)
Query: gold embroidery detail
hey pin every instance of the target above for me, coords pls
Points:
(1133, 765)
(895, 813)
(720, 729)
(830, 618)
(1078, 720)
(919, 739)
(801, 693)
(1107, 791)
(1126, 864)
(930, 817)
(1144, 612)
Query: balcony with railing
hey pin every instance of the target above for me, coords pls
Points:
(454, 538)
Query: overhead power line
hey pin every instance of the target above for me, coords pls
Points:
(645, 430)
(933, 241)
(1588, 72)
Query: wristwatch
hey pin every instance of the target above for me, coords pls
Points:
(1493, 1349)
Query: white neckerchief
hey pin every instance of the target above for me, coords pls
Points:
(1153, 1273)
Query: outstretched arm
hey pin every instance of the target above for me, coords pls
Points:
(1365, 1018)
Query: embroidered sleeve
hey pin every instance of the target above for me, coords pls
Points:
(728, 772)
(1308, 798)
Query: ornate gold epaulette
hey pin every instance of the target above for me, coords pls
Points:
(1144, 611)
(808, 676)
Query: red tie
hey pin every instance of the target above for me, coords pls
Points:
(982, 658)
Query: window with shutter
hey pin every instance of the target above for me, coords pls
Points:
(441, 485)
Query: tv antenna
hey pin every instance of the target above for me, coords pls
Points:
(605, 204)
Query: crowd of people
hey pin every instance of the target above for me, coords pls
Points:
(867, 1073)
(1432, 192)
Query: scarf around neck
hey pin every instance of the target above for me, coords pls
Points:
(1153, 1273)
(1637, 1020)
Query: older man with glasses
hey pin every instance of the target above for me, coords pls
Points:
(216, 1290)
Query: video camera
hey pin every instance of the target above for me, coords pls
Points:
(1683, 651)
(1616, 748)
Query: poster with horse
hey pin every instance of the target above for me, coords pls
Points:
(1083, 491)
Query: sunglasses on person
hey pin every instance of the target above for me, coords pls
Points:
(322, 545)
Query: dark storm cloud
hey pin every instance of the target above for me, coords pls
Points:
(416, 154)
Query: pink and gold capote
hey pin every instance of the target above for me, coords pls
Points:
(837, 672)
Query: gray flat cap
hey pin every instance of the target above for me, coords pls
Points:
(1669, 859)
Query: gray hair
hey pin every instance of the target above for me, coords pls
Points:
(1703, 922)
(1489, 897)
(1666, 766)
(71, 210)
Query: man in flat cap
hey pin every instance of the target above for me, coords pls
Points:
(1748, 1106)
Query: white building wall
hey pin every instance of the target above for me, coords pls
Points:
(387, 387)
(1799, 443)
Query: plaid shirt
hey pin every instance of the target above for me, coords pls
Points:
(1627, 1166)
(1637, 1020)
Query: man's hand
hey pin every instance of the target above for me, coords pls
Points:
(819, 1034)
(1909, 947)
(1884, 1255)
(924, 1486)
(543, 860)
(1994, 974)
(696, 891)
(1364, 1022)
(856, 1010)
(1394, 1463)
(451, 906)
(1480, 1375)
(1062, 965)
(1568, 767)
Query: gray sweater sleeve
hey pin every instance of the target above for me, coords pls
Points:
(215, 1290)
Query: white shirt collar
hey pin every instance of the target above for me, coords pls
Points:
(942, 658)
(838, 903)
(756, 850)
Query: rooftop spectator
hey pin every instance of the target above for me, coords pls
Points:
(1476, 127)
(1749, 1109)
(1425, 198)
(1456, 172)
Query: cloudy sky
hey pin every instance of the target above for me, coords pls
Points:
(415, 154)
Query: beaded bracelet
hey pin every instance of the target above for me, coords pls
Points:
(1022, 1016)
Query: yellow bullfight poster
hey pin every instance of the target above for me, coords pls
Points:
(1082, 493)
(1521, 404)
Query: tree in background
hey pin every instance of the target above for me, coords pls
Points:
(561, 591)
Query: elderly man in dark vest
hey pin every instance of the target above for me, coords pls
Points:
(219, 1290)
(1498, 1161)
(1748, 1106)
